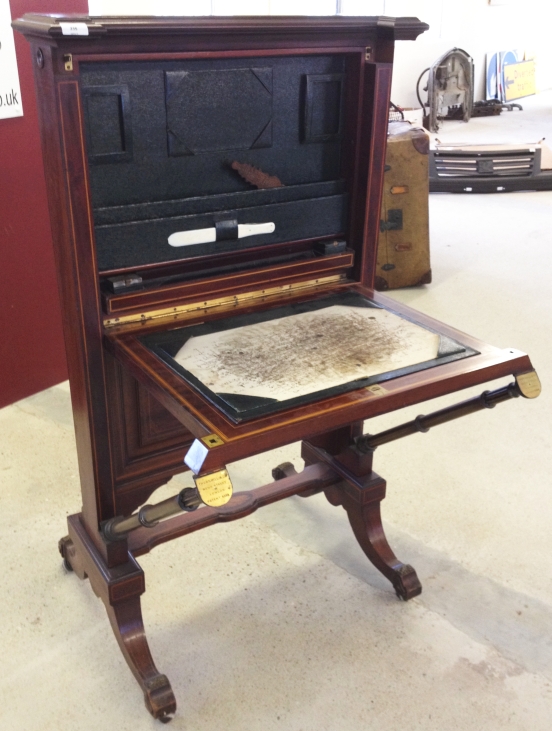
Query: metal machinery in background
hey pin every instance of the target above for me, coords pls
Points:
(488, 168)
(449, 85)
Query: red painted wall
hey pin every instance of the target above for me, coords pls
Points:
(32, 354)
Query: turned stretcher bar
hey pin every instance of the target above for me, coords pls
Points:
(314, 478)
(526, 385)
(188, 499)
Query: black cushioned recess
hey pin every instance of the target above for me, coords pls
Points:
(109, 124)
(322, 107)
(197, 101)
(190, 121)
(139, 243)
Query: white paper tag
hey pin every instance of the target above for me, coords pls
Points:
(195, 456)
(74, 29)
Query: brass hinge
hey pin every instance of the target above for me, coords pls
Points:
(222, 303)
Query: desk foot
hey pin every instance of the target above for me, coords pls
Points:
(286, 469)
(128, 628)
(120, 588)
(65, 547)
(365, 520)
(360, 492)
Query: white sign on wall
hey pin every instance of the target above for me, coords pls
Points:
(10, 93)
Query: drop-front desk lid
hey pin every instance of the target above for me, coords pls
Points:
(299, 365)
(250, 365)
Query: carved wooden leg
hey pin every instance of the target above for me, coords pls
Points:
(365, 518)
(128, 627)
(361, 493)
(120, 588)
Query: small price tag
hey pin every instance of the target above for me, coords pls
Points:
(74, 29)
(195, 456)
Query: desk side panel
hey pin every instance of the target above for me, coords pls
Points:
(103, 421)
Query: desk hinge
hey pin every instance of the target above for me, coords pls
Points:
(222, 303)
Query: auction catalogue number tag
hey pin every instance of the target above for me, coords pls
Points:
(74, 29)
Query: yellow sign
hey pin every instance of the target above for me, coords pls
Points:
(519, 80)
(215, 489)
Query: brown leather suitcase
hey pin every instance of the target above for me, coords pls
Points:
(403, 247)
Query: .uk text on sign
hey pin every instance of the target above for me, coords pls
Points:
(10, 93)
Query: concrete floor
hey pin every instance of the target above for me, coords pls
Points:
(278, 621)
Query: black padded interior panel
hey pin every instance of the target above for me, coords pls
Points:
(193, 96)
(166, 135)
(323, 109)
(108, 124)
(134, 244)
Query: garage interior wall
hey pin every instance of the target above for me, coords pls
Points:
(477, 26)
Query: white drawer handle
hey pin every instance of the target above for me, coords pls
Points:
(207, 235)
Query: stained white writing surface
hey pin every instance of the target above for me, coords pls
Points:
(305, 353)
(10, 92)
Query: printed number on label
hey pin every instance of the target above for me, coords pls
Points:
(74, 29)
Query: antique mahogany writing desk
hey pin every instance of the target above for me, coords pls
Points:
(215, 189)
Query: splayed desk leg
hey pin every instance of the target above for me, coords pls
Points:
(360, 494)
(120, 589)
